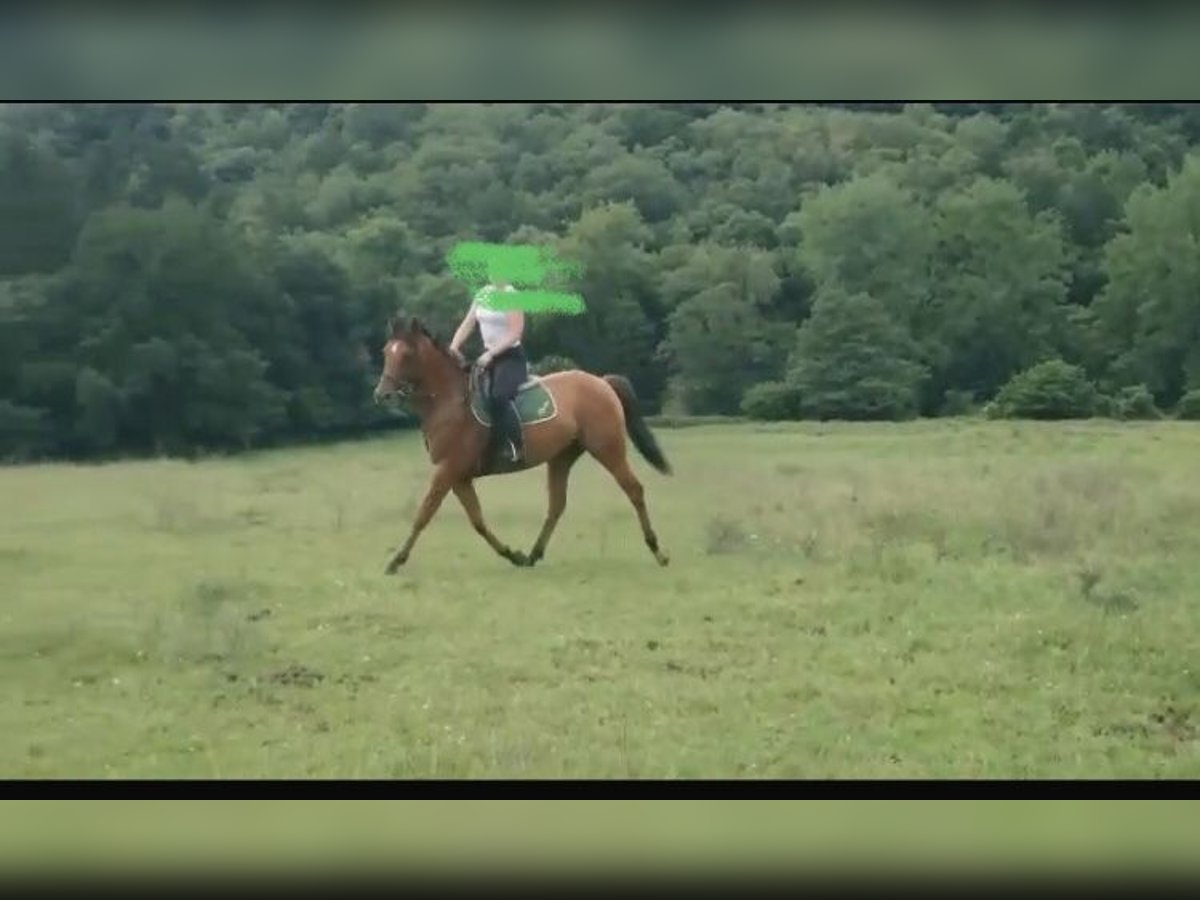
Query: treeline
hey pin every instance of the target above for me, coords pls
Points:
(184, 277)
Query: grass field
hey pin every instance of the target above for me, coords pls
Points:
(939, 599)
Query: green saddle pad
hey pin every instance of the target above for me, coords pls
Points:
(534, 404)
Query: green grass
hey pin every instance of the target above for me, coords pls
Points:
(945, 599)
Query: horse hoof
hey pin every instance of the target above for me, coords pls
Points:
(517, 558)
(664, 560)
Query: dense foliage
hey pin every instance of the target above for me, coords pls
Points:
(192, 276)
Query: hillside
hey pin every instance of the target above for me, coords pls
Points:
(193, 276)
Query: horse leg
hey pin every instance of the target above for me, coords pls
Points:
(465, 491)
(618, 467)
(439, 484)
(558, 470)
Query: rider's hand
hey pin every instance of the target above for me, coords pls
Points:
(485, 359)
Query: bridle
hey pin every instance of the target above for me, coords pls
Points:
(409, 389)
(396, 387)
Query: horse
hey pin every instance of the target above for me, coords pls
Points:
(585, 413)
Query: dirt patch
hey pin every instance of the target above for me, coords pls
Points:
(1176, 723)
(297, 675)
(1170, 721)
(704, 672)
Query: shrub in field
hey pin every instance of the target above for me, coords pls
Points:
(772, 401)
(1189, 406)
(854, 361)
(1050, 390)
(1135, 402)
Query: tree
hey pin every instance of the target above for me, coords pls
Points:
(986, 138)
(853, 361)
(318, 361)
(1001, 285)
(721, 334)
(152, 251)
(719, 344)
(645, 182)
(40, 213)
(99, 404)
(693, 269)
(1150, 308)
(174, 325)
(869, 236)
(617, 331)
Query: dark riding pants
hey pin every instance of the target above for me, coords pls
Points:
(508, 371)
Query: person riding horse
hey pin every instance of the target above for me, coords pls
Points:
(588, 414)
(504, 360)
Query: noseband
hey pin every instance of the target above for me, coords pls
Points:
(398, 387)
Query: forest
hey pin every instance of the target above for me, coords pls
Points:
(187, 278)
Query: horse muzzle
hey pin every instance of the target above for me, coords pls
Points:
(387, 392)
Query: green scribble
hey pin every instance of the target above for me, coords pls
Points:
(531, 270)
(533, 301)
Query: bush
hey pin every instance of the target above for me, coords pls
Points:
(1189, 406)
(1135, 402)
(854, 361)
(772, 401)
(1050, 390)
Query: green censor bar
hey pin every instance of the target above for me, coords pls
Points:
(534, 302)
(531, 270)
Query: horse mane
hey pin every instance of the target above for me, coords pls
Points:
(402, 324)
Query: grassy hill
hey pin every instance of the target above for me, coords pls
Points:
(939, 599)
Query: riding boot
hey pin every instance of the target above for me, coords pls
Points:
(515, 438)
(494, 453)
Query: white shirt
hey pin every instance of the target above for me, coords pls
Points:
(493, 323)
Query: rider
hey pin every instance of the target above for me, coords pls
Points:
(504, 359)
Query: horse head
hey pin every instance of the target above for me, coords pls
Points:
(410, 357)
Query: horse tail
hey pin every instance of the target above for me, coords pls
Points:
(639, 431)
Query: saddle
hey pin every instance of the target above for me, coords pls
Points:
(535, 404)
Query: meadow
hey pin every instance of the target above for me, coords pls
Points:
(946, 599)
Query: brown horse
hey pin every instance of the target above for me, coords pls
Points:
(593, 415)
